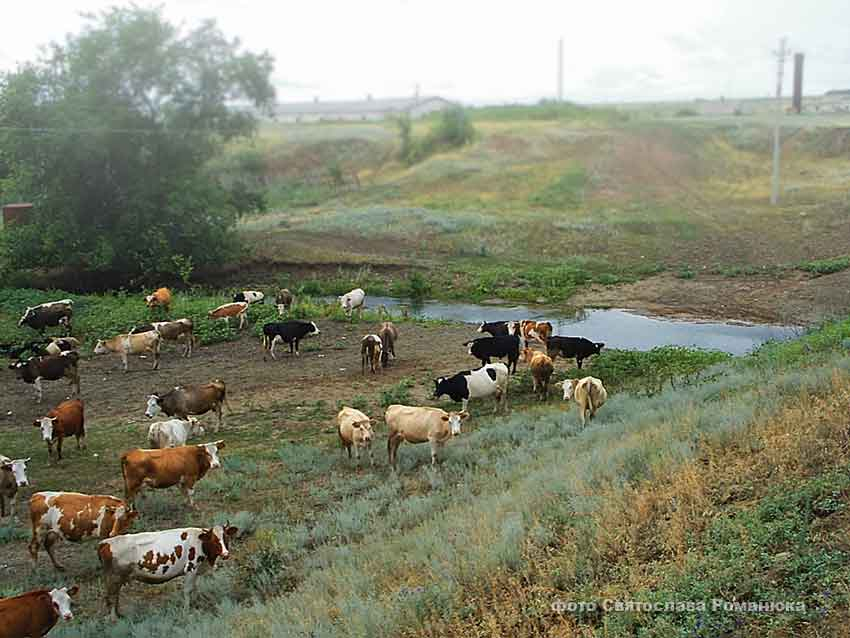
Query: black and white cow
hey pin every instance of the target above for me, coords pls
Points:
(250, 296)
(488, 380)
(572, 347)
(290, 332)
(54, 313)
(486, 348)
(50, 368)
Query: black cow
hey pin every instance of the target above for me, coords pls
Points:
(290, 332)
(570, 347)
(495, 328)
(49, 368)
(41, 317)
(486, 348)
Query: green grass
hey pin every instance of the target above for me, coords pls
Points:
(566, 192)
(826, 266)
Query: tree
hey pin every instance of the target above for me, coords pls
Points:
(109, 135)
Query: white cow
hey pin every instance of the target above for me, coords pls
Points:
(354, 300)
(420, 425)
(355, 428)
(174, 432)
(588, 393)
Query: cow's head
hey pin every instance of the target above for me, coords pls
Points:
(439, 388)
(122, 519)
(363, 430)
(454, 420)
(100, 347)
(153, 407)
(569, 386)
(598, 346)
(212, 453)
(195, 427)
(150, 301)
(315, 329)
(481, 327)
(46, 425)
(61, 599)
(18, 469)
(214, 541)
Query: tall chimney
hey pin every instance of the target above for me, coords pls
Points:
(797, 100)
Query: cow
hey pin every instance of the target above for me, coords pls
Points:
(57, 516)
(494, 328)
(183, 400)
(177, 330)
(58, 345)
(66, 419)
(530, 330)
(160, 469)
(355, 428)
(174, 432)
(55, 313)
(488, 380)
(485, 348)
(249, 296)
(353, 300)
(161, 298)
(50, 368)
(388, 334)
(158, 557)
(420, 425)
(131, 343)
(13, 474)
(228, 310)
(569, 347)
(290, 332)
(588, 393)
(542, 368)
(371, 348)
(284, 300)
(36, 612)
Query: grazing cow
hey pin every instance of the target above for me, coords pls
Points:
(388, 335)
(58, 345)
(485, 348)
(50, 368)
(13, 474)
(569, 347)
(284, 300)
(420, 425)
(371, 348)
(489, 380)
(353, 300)
(74, 517)
(588, 393)
(228, 310)
(494, 328)
(173, 433)
(541, 371)
(291, 332)
(355, 428)
(177, 330)
(36, 612)
(161, 297)
(182, 466)
(184, 400)
(54, 313)
(158, 557)
(66, 419)
(131, 343)
(249, 296)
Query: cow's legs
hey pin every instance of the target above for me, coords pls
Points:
(39, 392)
(33, 546)
(392, 450)
(464, 403)
(3, 506)
(274, 343)
(124, 361)
(81, 442)
(51, 539)
(435, 446)
(188, 588)
(371, 458)
(156, 356)
(59, 448)
(578, 362)
(295, 343)
(241, 320)
(113, 594)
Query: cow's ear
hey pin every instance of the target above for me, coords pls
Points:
(230, 530)
(73, 591)
(464, 415)
(36, 423)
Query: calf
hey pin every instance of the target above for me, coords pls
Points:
(158, 557)
(388, 335)
(570, 347)
(36, 612)
(161, 298)
(486, 348)
(58, 345)
(57, 516)
(420, 425)
(283, 299)
(228, 310)
(131, 343)
(160, 469)
(494, 328)
(588, 393)
(184, 400)
(173, 433)
(13, 474)
(49, 368)
(353, 300)
(290, 332)
(249, 296)
(57, 313)
(370, 351)
(66, 419)
(355, 428)
(489, 380)
(541, 371)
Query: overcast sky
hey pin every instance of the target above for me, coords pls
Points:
(493, 51)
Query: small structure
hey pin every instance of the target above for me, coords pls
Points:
(16, 214)
(361, 110)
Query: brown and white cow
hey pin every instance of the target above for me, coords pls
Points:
(36, 612)
(284, 300)
(50, 368)
(158, 557)
(13, 474)
(542, 368)
(529, 330)
(182, 466)
(161, 298)
(420, 425)
(370, 352)
(183, 400)
(178, 330)
(355, 428)
(228, 310)
(57, 516)
(66, 419)
(131, 343)
(389, 335)
(588, 393)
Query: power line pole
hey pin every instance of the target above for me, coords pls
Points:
(781, 54)
(561, 70)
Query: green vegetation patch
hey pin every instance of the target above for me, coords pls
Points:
(826, 266)
(567, 191)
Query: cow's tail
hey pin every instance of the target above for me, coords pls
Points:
(590, 388)
(124, 472)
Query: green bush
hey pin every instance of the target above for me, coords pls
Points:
(398, 393)
(826, 266)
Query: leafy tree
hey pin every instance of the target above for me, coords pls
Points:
(109, 133)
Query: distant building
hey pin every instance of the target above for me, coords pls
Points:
(362, 110)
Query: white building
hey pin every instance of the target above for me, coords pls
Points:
(362, 110)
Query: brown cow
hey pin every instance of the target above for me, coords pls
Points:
(355, 428)
(283, 299)
(370, 350)
(420, 425)
(66, 419)
(228, 310)
(541, 371)
(183, 466)
(389, 335)
(13, 474)
(183, 400)
(74, 517)
(35, 612)
(529, 330)
(161, 297)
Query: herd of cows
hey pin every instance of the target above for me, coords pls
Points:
(160, 556)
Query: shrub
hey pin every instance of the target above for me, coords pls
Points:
(398, 393)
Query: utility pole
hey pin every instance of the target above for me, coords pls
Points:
(781, 54)
(561, 70)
